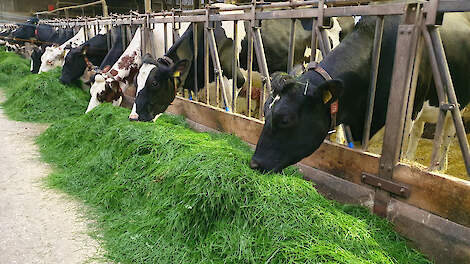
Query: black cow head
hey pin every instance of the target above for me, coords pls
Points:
(74, 65)
(24, 31)
(297, 120)
(159, 89)
(36, 59)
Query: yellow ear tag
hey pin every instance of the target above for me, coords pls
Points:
(176, 74)
(327, 96)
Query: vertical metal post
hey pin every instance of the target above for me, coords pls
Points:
(123, 36)
(235, 66)
(445, 74)
(148, 6)
(250, 59)
(217, 67)
(313, 55)
(206, 57)
(105, 8)
(435, 156)
(263, 66)
(86, 30)
(290, 57)
(379, 27)
(405, 65)
(165, 37)
(195, 58)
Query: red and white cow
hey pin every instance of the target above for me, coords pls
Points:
(109, 86)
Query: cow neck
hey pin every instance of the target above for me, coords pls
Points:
(350, 63)
(313, 66)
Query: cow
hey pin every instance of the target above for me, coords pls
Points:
(53, 56)
(298, 110)
(117, 84)
(85, 56)
(110, 85)
(273, 33)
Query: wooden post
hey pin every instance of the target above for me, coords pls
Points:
(148, 6)
(105, 8)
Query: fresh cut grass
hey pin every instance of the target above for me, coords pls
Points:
(162, 193)
(37, 97)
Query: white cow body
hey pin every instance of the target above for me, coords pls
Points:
(429, 114)
(55, 56)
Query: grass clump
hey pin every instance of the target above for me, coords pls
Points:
(12, 68)
(161, 193)
(37, 97)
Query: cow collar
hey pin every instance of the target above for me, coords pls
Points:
(314, 66)
(169, 62)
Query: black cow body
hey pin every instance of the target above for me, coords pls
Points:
(36, 58)
(94, 50)
(116, 49)
(297, 121)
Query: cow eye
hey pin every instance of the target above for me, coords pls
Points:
(154, 83)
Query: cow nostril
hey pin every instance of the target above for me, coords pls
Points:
(254, 164)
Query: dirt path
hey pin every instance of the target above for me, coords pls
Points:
(37, 225)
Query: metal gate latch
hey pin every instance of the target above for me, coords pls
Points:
(386, 185)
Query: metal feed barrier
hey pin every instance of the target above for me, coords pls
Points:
(390, 180)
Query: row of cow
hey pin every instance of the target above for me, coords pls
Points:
(297, 110)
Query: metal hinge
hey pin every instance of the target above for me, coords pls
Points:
(386, 185)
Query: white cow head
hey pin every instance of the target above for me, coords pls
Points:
(53, 57)
(104, 90)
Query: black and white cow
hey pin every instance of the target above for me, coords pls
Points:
(53, 56)
(274, 32)
(298, 111)
(86, 55)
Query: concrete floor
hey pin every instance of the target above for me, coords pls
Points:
(37, 225)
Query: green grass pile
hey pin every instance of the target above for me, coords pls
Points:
(162, 193)
(12, 68)
(37, 97)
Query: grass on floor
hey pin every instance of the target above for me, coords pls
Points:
(37, 97)
(162, 193)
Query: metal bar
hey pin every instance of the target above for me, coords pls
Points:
(263, 66)
(206, 58)
(123, 36)
(321, 43)
(235, 66)
(290, 57)
(69, 7)
(459, 127)
(148, 6)
(435, 156)
(195, 58)
(404, 62)
(379, 27)
(250, 58)
(104, 7)
(314, 42)
(165, 37)
(217, 67)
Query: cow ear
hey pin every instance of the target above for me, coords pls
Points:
(330, 91)
(84, 49)
(179, 67)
